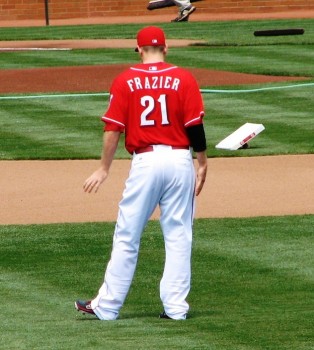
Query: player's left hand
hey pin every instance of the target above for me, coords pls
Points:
(200, 178)
(201, 171)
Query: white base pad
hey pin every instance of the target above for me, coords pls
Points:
(241, 136)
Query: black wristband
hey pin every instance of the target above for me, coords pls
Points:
(196, 135)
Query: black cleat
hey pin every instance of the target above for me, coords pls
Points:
(164, 315)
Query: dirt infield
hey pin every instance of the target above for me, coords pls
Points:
(98, 78)
(51, 191)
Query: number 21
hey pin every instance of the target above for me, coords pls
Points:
(150, 104)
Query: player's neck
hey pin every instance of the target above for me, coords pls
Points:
(153, 58)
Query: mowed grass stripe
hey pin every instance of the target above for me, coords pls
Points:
(249, 239)
(54, 128)
(239, 32)
(41, 59)
(284, 122)
(248, 292)
(43, 127)
(271, 60)
(70, 128)
(251, 286)
(254, 60)
(262, 106)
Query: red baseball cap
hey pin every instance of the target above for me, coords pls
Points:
(151, 36)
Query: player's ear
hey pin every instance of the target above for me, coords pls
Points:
(165, 50)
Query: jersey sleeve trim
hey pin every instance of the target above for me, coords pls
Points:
(194, 120)
(109, 120)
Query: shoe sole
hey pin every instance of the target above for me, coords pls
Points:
(185, 17)
(80, 310)
(77, 308)
(182, 20)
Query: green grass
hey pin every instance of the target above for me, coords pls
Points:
(286, 115)
(228, 46)
(284, 60)
(70, 127)
(252, 287)
(214, 33)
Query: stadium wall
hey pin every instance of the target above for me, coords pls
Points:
(69, 9)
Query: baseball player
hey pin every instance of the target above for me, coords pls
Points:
(160, 109)
(185, 10)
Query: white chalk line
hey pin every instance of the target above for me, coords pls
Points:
(35, 49)
(107, 93)
(52, 96)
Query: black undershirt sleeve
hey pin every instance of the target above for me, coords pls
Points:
(196, 135)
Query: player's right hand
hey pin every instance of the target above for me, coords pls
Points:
(95, 180)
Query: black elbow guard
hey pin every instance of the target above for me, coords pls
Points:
(196, 135)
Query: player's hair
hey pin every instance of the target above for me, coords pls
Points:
(153, 49)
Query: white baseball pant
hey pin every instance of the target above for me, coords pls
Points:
(164, 177)
(182, 4)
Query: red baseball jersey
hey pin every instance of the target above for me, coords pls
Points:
(154, 104)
